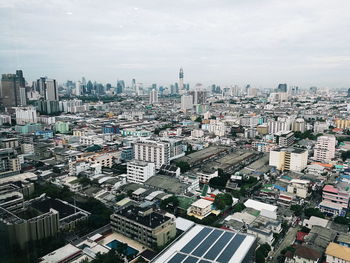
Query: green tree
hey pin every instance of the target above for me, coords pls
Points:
(313, 212)
(345, 155)
(342, 220)
(170, 203)
(238, 207)
(184, 166)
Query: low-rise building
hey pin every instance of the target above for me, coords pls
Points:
(200, 209)
(139, 171)
(336, 253)
(144, 225)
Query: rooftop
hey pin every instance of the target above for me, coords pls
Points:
(134, 213)
(338, 251)
(208, 244)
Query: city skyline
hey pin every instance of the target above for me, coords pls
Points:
(261, 42)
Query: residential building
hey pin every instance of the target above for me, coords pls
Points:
(299, 125)
(9, 143)
(9, 162)
(62, 127)
(324, 150)
(144, 225)
(156, 152)
(26, 115)
(186, 102)
(153, 97)
(299, 187)
(284, 138)
(290, 159)
(200, 209)
(336, 253)
(139, 171)
(335, 199)
(303, 254)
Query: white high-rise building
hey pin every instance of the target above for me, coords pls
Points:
(139, 171)
(152, 151)
(280, 125)
(290, 159)
(26, 115)
(325, 148)
(78, 87)
(299, 125)
(153, 97)
(186, 102)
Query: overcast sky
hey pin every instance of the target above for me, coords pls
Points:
(261, 42)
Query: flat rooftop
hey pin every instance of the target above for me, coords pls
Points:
(206, 153)
(133, 213)
(205, 244)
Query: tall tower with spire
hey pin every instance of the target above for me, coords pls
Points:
(181, 79)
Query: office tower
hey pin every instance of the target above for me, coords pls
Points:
(325, 148)
(78, 88)
(47, 88)
(348, 93)
(152, 151)
(26, 115)
(120, 86)
(186, 102)
(181, 79)
(133, 84)
(290, 159)
(89, 87)
(11, 94)
(282, 88)
(108, 86)
(313, 90)
(153, 97)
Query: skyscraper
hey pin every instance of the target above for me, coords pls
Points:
(181, 79)
(324, 150)
(11, 89)
(48, 88)
(282, 88)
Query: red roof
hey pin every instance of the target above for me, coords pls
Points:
(300, 236)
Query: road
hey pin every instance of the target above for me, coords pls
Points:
(288, 239)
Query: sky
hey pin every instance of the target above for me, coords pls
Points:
(260, 42)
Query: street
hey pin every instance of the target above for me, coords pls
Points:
(287, 241)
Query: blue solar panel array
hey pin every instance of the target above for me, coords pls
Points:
(209, 245)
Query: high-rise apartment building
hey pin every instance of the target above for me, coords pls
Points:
(299, 125)
(290, 159)
(13, 90)
(26, 115)
(152, 151)
(153, 97)
(324, 150)
(198, 96)
(186, 102)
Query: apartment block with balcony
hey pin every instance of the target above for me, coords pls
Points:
(290, 159)
(152, 151)
(335, 199)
